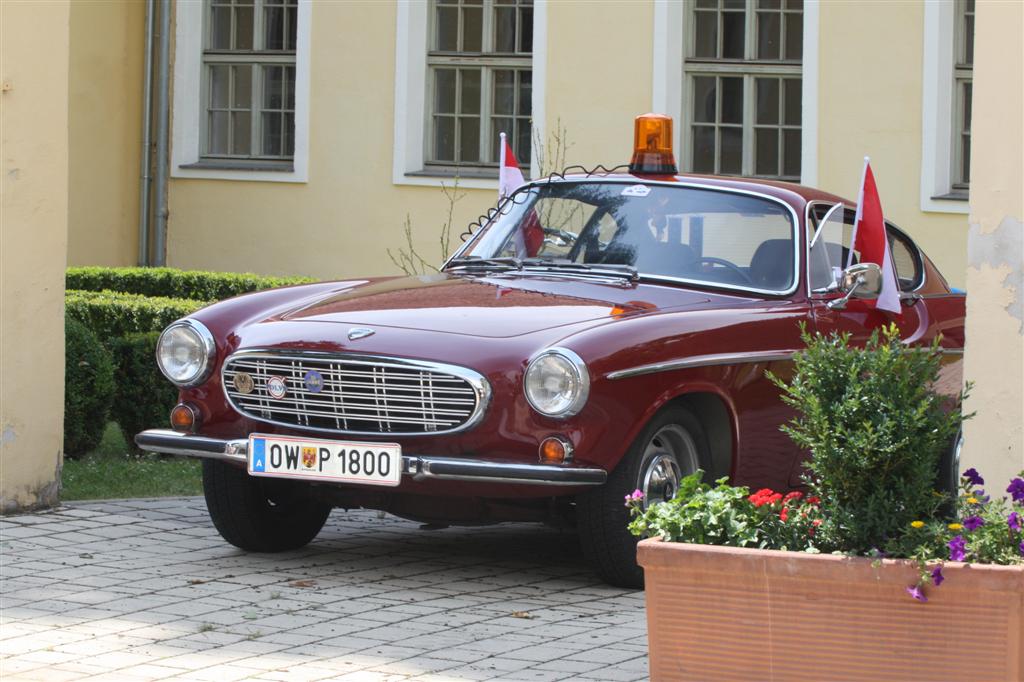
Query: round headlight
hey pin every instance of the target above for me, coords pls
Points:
(185, 352)
(557, 383)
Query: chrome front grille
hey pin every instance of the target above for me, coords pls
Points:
(350, 393)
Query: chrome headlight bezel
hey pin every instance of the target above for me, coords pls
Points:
(574, 364)
(204, 343)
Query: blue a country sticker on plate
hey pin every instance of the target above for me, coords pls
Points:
(259, 454)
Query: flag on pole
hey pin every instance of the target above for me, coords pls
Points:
(530, 237)
(870, 239)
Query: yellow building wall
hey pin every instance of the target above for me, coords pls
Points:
(33, 239)
(105, 131)
(994, 439)
(869, 104)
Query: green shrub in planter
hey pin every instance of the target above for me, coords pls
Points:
(144, 397)
(190, 284)
(111, 314)
(88, 388)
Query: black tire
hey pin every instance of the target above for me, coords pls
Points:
(260, 514)
(602, 517)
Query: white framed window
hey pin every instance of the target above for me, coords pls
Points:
(946, 105)
(466, 70)
(743, 88)
(241, 90)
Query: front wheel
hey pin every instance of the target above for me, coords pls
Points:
(671, 446)
(260, 514)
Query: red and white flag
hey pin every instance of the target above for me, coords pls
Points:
(869, 238)
(530, 237)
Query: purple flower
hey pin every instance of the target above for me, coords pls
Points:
(635, 496)
(982, 497)
(956, 548)
(973, 522)
(972, 476)
(1022, 548)
(1016, 489)
(1013, 521)
(937, 576)
(915, 592)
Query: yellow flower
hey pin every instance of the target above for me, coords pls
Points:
(917, 524)
(972, 500)
(955, 526)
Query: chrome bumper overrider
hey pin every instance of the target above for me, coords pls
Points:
(420, 467)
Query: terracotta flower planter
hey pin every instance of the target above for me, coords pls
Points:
(722, 613)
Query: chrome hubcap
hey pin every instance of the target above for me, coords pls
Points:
(670, 455)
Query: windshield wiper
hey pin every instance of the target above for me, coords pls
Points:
(503, 263)
(616, 269)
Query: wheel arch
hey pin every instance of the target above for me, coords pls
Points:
(716, 416)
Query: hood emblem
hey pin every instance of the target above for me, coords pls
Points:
(359, 333)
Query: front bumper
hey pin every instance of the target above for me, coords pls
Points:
(419, 467)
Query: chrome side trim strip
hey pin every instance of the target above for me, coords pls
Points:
(702, 361)
(421, 468)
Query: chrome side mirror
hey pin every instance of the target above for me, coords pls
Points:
(863, 280)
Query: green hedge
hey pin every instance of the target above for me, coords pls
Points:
(144, 397)
(197, 285)
(112, 314)
(88, 388)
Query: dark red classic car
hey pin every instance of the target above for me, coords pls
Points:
(602, 332)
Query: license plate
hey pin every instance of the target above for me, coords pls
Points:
(325, 460)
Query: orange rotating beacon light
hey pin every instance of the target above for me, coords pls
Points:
(652, 146)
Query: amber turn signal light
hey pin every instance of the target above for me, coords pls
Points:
(652, 146)
(185, 418)
(555, 450)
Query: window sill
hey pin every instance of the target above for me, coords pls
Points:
(955, 195)
(467, 173)
(255, 166)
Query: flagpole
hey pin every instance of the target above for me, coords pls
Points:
(501, 160)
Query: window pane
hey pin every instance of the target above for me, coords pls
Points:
(969, 39)
(522, 146)
(243, 87)
(472, 29)
(525, 93)
(769, 4)
(794, 97)
(734, 4)
(791, 153)
(769, 30)
(273, 27)
(732, 151)
(703, 149)
(968, 86)
(706, 35)
(218, 133)
(289, 135)
(767, 100)
(219, 86)
(220, 27)
(733, 31)
(444, 91)
(289, 84)
(526, 30)
(504, 91)
(704, 99)
(794, 36)
(272, 134)
(241, 133)
(470, 100)
(504, 29)
(273, 87)
(502, 124)
(469, 139)
(732, 100)
(795, 4)
(243, 27)
(447, 29)
(966, 156)
(712, 4)
(444, 138)
(293, 24)
(766, 152)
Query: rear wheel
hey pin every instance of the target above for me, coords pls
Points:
(261, 514)
(671, 446)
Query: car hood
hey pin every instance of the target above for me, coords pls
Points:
(494, 306)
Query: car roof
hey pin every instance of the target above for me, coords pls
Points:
(792, 193)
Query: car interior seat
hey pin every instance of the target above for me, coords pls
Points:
(772, 265)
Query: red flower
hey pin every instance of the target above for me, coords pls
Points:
(814, 500)
(795, 495)
(784, 514)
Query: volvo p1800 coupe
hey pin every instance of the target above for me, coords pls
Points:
(601, 333)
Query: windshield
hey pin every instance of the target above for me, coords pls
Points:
(720, 238)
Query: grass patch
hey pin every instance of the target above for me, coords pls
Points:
(113, 470)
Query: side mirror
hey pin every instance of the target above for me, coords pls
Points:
(863, 280)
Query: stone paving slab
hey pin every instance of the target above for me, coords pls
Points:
(147, 590)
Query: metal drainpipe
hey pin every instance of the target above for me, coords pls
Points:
(162, 116)
(147, 124)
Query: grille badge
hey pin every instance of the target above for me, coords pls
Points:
(356, 333)
(244, 383)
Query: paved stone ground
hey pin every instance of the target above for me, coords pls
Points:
(146, 589)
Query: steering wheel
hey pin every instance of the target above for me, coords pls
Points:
(728, 265)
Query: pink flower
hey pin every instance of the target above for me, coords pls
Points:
(916, 592)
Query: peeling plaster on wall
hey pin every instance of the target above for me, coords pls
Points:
(9, 435)
(26, 499)
(1003, 247)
